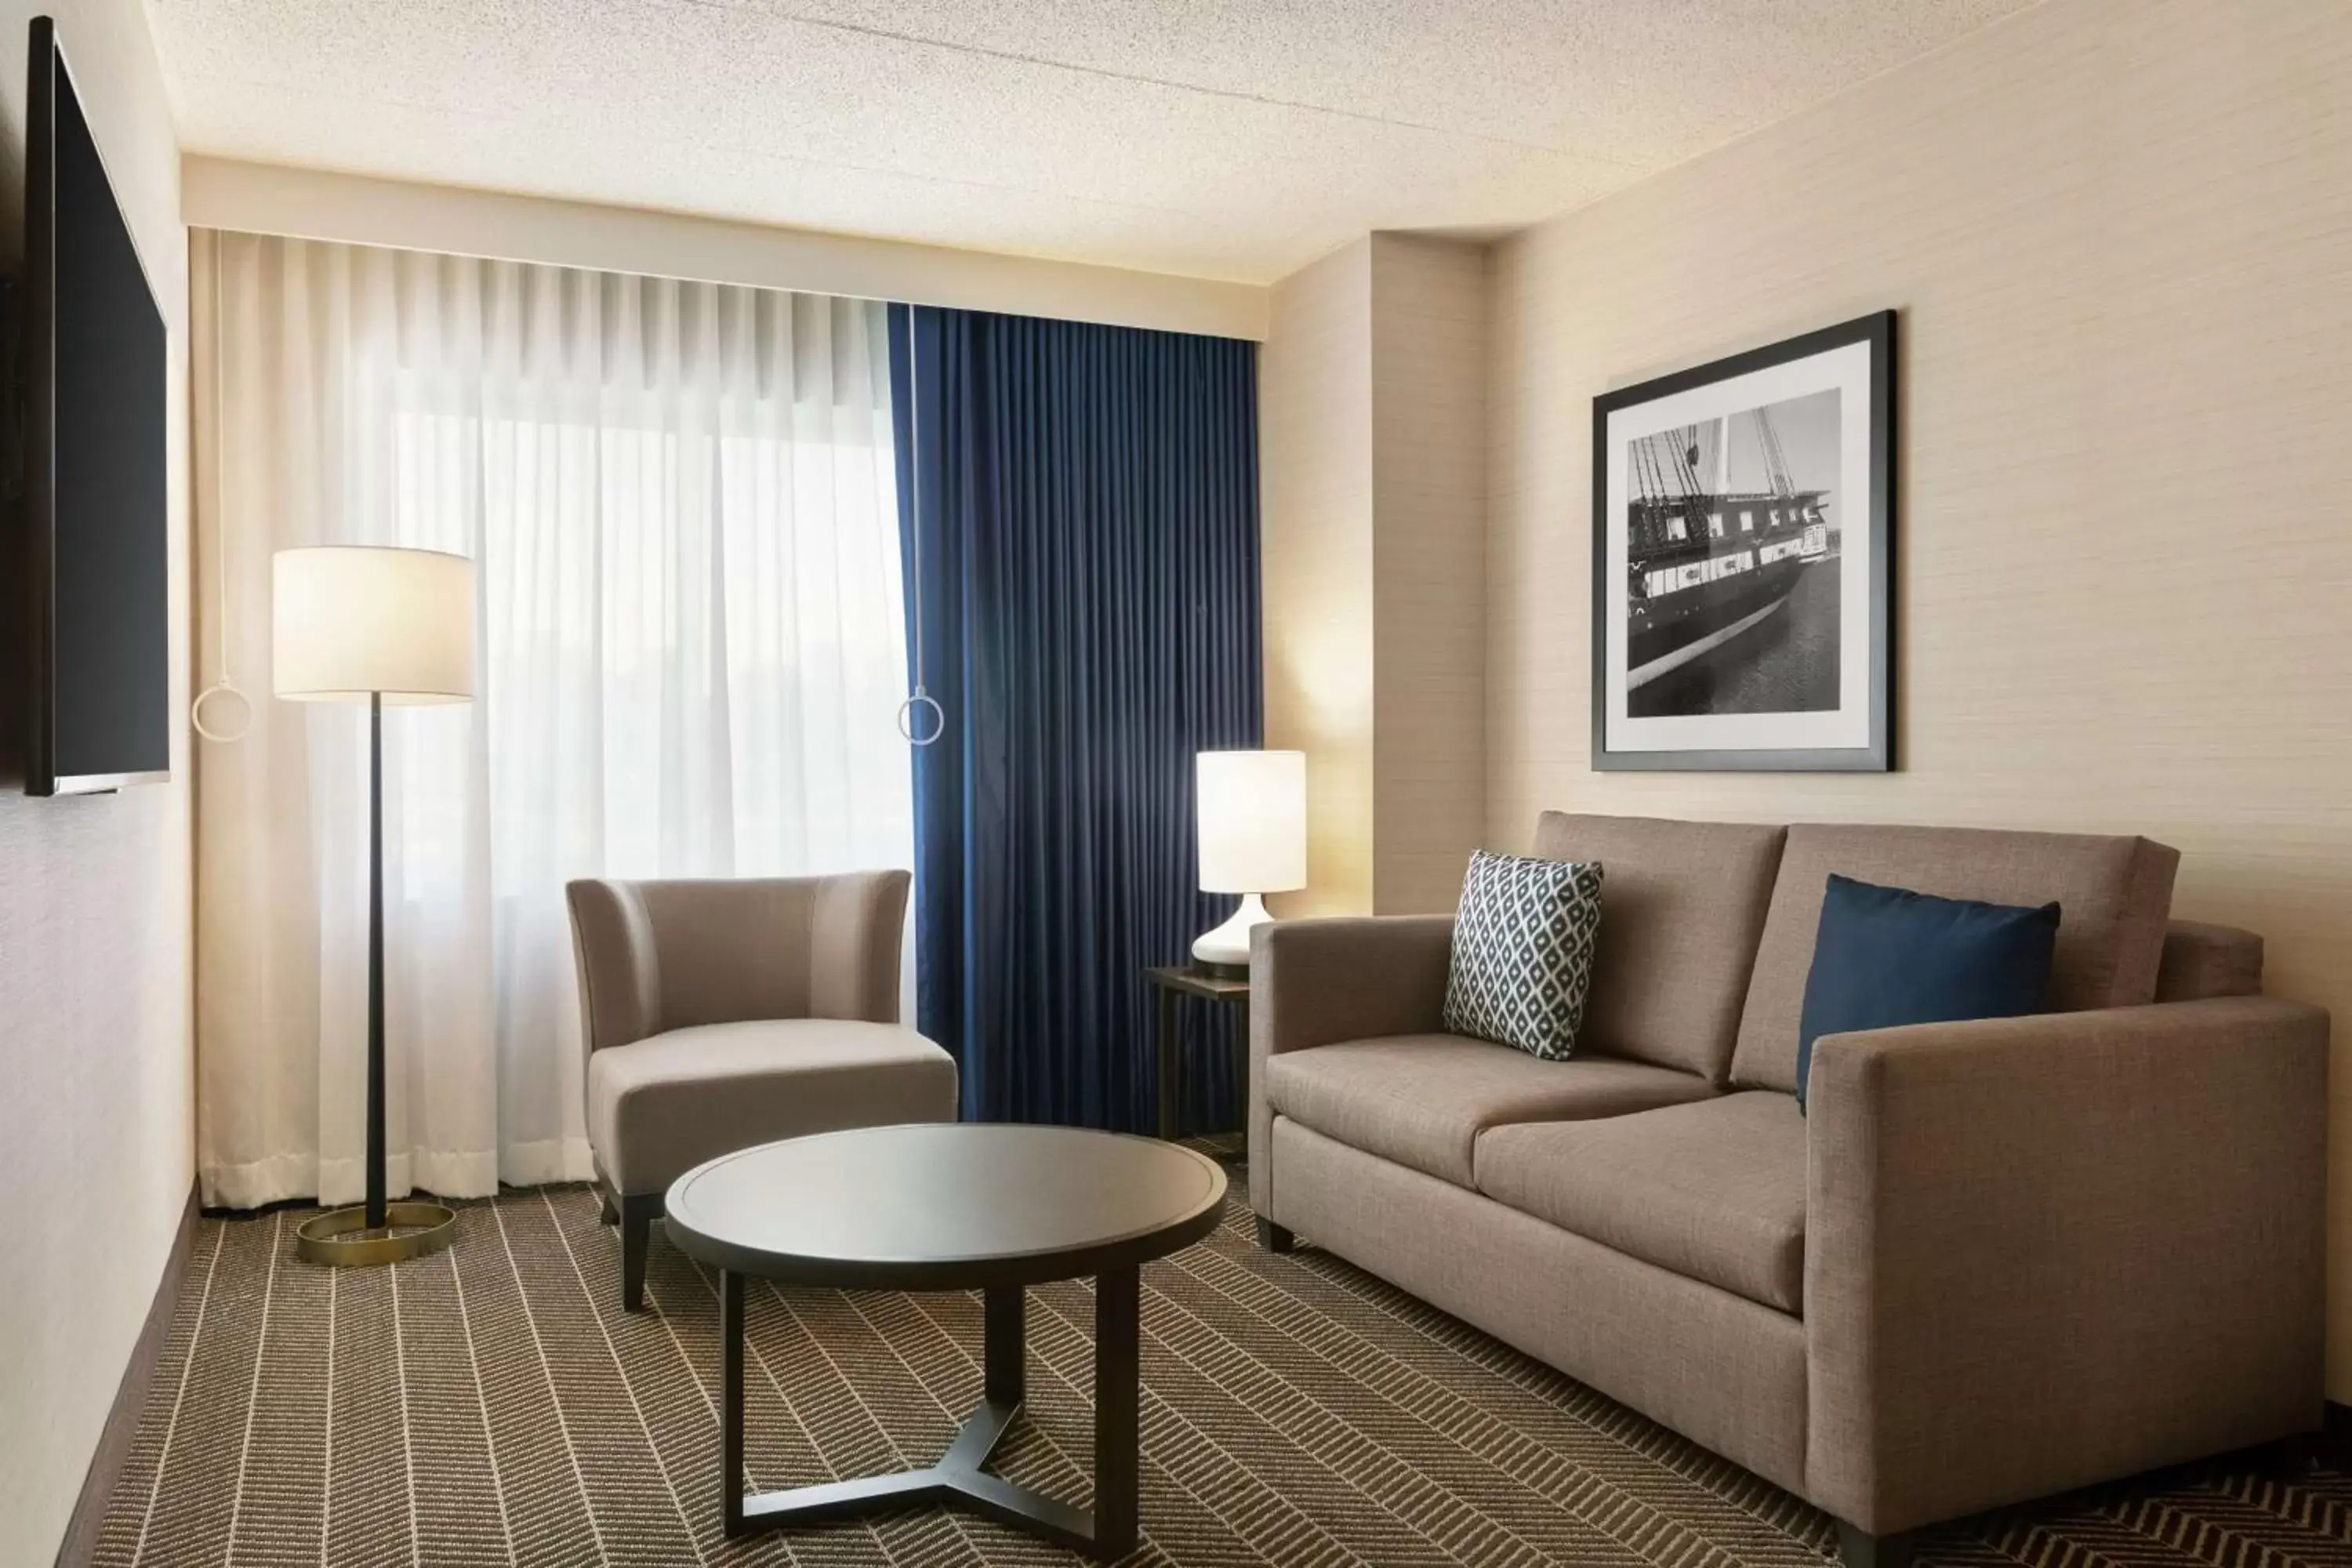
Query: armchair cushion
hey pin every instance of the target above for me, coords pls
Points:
(661, 1106)
(1714, 1190)
(1423, 1100)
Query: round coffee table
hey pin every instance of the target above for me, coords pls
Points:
(953, 1206)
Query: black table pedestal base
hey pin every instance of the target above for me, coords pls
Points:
(958, 1480)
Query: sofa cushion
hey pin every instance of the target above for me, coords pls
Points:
(1423, 1100)
(1885, 957)
(1523, 952)
(1714, 1190)
(2113, 894)
(662, 1105)
(1680, 912)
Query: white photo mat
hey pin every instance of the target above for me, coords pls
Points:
(1847, 369)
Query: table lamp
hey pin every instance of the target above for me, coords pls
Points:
(380, 625)
(1253, 833)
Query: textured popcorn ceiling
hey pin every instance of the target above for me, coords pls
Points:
(1232, 139)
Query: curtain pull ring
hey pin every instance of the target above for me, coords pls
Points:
(908, 724)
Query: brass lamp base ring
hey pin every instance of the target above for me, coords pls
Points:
(341, 1238)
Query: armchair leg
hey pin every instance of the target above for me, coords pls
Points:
(638, 1215)
(1275, 1238)
(1859, 1549)
(605, 1213)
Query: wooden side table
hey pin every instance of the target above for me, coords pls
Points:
(1176, 980)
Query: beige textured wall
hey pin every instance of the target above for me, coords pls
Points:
(95, 1145)
(2120, 236)
(1429, 591)
(1371, 396)
(1315, 408)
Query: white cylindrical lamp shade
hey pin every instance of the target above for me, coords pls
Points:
(354, 621)
(1253, 821)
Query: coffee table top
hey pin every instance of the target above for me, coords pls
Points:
(944, 1205)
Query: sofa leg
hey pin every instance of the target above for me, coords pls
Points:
(1859, 1549)
(1273, 1237)
(605, 1213)
(638, 1215)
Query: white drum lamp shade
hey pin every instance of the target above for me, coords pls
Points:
(1253, 839)
(354, 621)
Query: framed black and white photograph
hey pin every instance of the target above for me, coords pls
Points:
(1743, 560)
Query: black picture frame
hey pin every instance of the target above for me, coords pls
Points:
(1877, 333)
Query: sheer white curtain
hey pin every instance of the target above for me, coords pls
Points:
(680, 498)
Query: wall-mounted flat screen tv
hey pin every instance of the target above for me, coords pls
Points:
(97, 540)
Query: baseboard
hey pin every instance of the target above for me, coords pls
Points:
(80, 1545)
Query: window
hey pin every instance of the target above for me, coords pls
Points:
(680, 501)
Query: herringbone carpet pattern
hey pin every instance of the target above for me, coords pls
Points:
(493, 1404)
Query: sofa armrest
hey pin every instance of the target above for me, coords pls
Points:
(613, 949)
(1317, 981)
(2044, 1251)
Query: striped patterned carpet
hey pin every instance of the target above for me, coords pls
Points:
(493, 1404)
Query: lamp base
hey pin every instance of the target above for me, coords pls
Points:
(340, 1238)
(1226, 950)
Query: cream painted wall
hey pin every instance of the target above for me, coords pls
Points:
(2119, 232)
(1315, 411)
(315, 203)
(1371, 391)
(95, 1145)
(1429, 590)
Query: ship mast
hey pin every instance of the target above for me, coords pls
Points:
(1776, 462)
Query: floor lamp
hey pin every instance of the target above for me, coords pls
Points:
(379, 625)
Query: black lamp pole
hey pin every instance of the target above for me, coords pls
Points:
(375, 1152)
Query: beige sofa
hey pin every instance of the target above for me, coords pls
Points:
(1998, 1260)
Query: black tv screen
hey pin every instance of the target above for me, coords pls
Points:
(99, 532)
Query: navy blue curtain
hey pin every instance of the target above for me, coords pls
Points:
(1089, 549)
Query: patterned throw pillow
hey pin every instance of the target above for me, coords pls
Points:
(1523, 951)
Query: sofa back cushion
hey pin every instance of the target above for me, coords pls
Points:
(2113, 895)
(1681, 907)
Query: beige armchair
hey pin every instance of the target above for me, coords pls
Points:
(719, 1015)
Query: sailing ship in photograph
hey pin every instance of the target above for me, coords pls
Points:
(1705, 565)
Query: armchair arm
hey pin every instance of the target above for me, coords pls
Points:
(1317, 981)
(613, 949)
(2044, 1251)
(855, 934)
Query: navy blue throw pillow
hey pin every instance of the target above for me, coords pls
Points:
(1884, 956)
